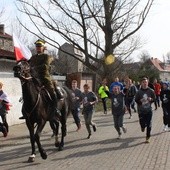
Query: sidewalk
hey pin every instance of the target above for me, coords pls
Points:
(19, 131)
(103, 151)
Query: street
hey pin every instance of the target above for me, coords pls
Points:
(103, 151)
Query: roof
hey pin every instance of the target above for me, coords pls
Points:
(160, 65)
(5, 35)
(7, 54)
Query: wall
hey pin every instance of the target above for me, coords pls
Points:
(6, 42)
(12, 87)
(7, 65)
(165, 76)
(67, 63)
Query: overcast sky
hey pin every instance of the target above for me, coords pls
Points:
(155, 32)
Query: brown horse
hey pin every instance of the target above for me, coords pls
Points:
(37, 109)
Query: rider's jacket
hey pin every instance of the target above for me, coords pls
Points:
(40, 68)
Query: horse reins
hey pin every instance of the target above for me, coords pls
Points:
(38, 98)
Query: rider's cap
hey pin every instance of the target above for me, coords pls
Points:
(40, 43)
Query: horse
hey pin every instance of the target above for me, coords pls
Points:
(37, 109)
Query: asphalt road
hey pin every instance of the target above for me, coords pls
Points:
(103, 151)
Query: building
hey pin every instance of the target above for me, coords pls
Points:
(162, 67)
(139, 68)
(70, 63)
(70, 59)
(7, 57)
(12, 86)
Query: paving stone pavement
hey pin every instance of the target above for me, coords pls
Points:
(103, 151)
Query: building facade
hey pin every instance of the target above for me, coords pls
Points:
(67, 55)
(69, 63)
(11, 85)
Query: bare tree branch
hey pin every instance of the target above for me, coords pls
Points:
(97, 28)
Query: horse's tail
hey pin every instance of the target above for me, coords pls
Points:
(69, 99)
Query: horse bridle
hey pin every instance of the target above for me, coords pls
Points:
(38, 99)
(22, 71)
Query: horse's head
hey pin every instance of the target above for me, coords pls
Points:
(22, 70)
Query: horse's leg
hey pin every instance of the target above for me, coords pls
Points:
(53, 127)
(40, 127)
(56, 123)
(32, 140)
(63, 131)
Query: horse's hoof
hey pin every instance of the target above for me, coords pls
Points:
(31, 159)
(44, 155)
(57, 144)
(60, 148)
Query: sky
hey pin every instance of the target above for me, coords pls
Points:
(156, 30)
(155, 33)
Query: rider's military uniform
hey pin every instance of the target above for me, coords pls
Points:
(40, 68)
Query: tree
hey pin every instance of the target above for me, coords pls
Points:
(144, 56)
(146, 68)
(95, 27)
(20, 32)
(2, 13)
(166, 58)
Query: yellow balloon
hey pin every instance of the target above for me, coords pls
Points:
(109, 59)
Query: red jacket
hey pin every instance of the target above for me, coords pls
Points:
(157, 88)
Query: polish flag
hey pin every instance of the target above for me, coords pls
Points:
(21, 51)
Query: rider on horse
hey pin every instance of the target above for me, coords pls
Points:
(40, 68)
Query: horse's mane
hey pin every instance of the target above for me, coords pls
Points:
(36, 81)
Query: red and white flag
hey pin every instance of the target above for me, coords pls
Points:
(20, 50)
